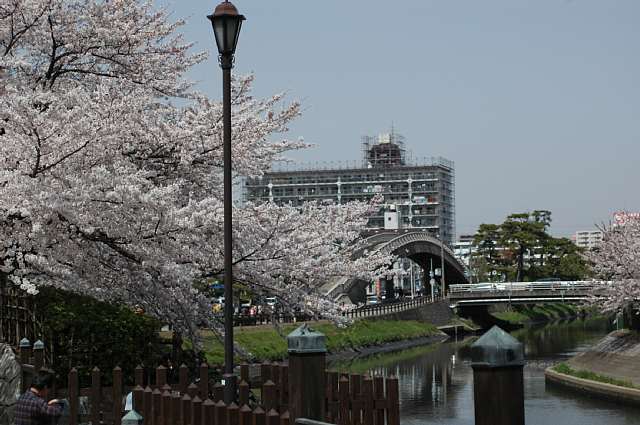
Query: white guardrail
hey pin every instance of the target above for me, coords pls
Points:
(580, 285)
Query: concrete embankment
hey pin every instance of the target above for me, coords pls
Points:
(616, 357)
(600, 389)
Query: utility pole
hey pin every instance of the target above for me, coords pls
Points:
(442, 282)
(432, 281)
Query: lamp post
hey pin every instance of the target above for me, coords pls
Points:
(226, 22)
(442, 281)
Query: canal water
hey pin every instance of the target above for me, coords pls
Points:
(436, 382)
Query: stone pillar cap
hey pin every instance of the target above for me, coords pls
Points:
(25, 343)
(306, 340)
(496, 348)
(131, 418)
(38, 345)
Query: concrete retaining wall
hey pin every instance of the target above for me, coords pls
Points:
(437, 314)
(600, 389)
(617, 355)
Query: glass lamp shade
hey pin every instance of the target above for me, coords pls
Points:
(226, 22)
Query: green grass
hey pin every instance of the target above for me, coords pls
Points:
(584, 374)
(264, 343)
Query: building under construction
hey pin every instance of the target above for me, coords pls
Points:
(418, 193)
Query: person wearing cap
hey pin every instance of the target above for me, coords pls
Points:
(32, 407)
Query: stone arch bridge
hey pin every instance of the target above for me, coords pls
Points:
(416, 245)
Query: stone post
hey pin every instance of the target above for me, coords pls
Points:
(307, 353)
(38, 355)
(498, 387)
(25, 351)
(25, 359)
(132, 418)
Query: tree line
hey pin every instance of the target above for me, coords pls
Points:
(521, 249)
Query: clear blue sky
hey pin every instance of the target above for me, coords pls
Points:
(537, 102)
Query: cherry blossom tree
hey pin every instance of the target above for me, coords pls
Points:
(617, 259)
(107, 188)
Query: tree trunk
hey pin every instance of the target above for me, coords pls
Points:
(632, 318)
(520, 267)
(3, 289)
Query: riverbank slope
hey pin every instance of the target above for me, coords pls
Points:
(361, 338)
(610, 369)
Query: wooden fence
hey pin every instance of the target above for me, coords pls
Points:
(195, 399)
(17, 315)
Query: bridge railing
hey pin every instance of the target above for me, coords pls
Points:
(388, 308)
(582, 285)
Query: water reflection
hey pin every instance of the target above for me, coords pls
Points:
(436, 382)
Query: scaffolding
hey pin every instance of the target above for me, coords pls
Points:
(384, 150)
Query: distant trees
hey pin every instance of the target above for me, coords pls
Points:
(521, 249)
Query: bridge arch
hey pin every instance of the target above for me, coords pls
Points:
(418, 246)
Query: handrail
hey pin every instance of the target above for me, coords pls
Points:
(527, 286)
(387, 308)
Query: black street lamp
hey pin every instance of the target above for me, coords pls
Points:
(226, 22)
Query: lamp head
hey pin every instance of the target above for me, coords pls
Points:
(226, 23)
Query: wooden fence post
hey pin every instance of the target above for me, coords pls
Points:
(208, 408)
(183, 377)
(165, 410)
(220, 413)
(379, 399)
(176, 408)
(192, 390)
(332, 396)
(245, 415)
(138, 399)
(139, 378)
(265, 372)
(268, 395)
(393, 401)
(244, 372)
(367, 399)
(273, 418)
(203, 385)
(284, 418)
(147, 400)
(258, 416)
(185, 407)
(72, 385)
(196, 411)
(218, 392)
(233, 414)
(343, 389)
(117, 395)
(307, 363)
(161, 376)
(284, 388)
(156, 397)
(95, 395)
(498, 386)
(243, 392)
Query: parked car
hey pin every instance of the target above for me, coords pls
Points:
(372, 299)
(271, 302)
